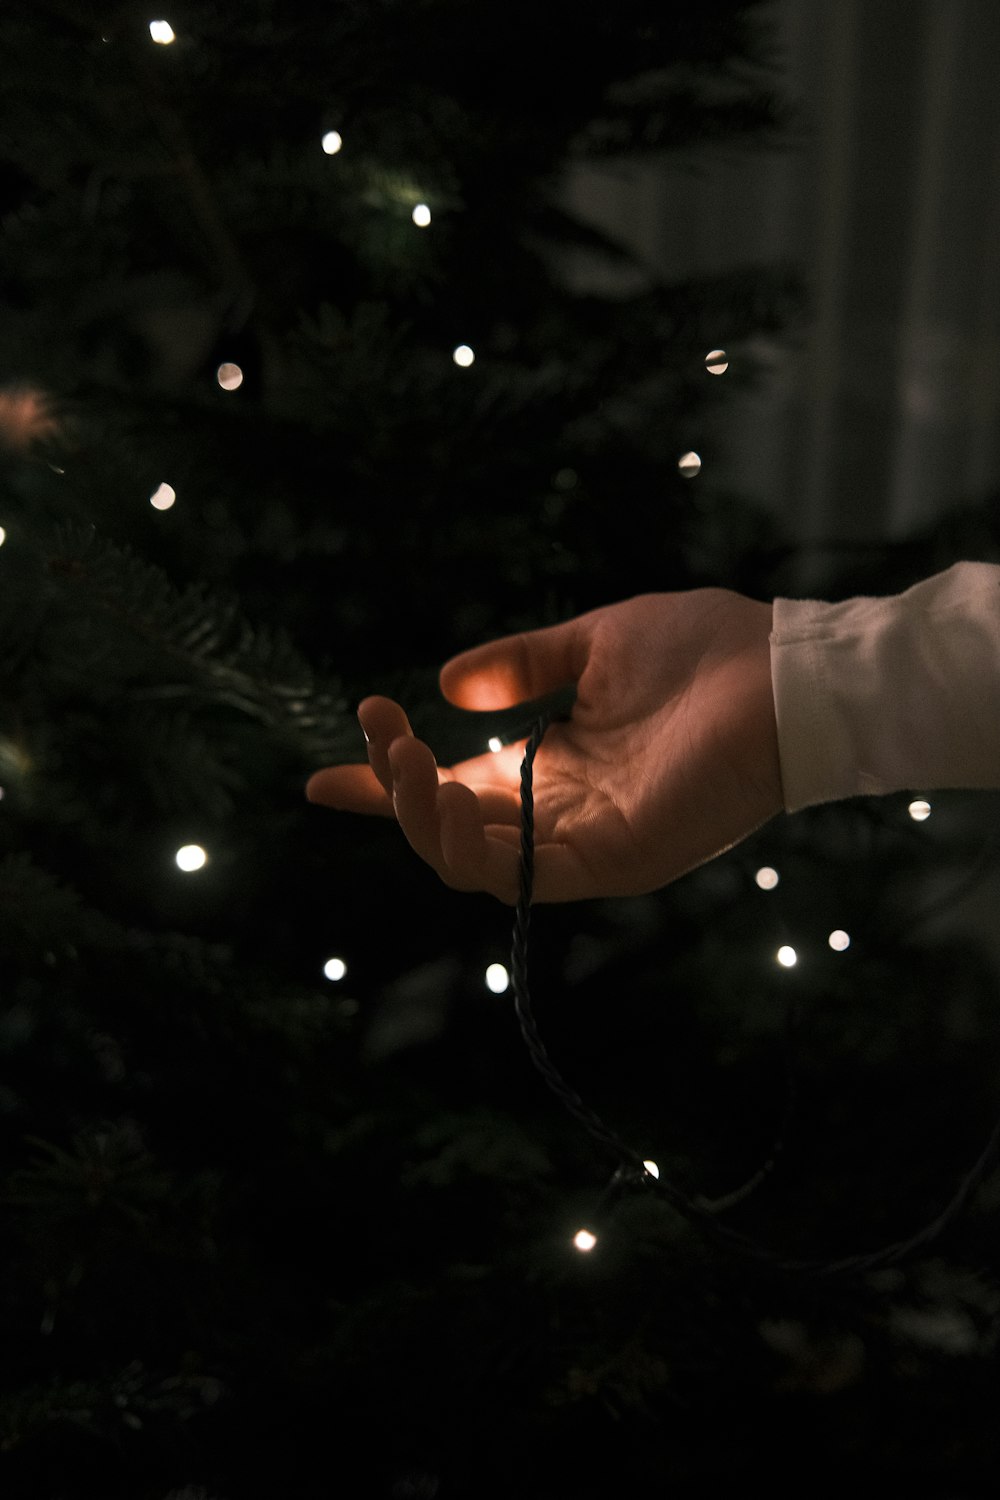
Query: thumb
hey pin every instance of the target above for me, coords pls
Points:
(518, 668)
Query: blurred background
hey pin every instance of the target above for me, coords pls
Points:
(884, 414)
(334, 341)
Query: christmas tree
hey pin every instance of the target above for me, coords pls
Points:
(298, 400)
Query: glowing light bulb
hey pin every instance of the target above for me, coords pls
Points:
(191, 857)
(421, 216)
(787, 957)
(689, 465)
(162, 32)
(335, 968)
(3, 536)
(717, 362)
(332, 142)
(163, 497)
(463, 356)
(652, 1168)
(230, 377)
(584, 1240)
(839, 940)
(497, 979)
(919, 810)
(766, 878)
(495, 745)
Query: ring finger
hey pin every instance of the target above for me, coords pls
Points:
(414, 794)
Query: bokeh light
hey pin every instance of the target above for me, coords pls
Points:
(230, 377)
(163, 497)
(191, 857)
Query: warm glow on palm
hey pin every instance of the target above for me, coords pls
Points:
(670, 755)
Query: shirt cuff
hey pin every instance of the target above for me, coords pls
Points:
(877, 695)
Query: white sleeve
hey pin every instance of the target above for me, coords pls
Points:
(891, 694)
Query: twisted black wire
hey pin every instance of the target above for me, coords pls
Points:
(630, 1169)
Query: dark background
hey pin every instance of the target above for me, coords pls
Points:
(268, 1233)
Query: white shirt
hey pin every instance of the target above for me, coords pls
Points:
(889, 694)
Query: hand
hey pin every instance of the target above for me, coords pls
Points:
(670, 757)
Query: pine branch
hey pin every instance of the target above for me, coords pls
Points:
(42, 914)
(219, 656)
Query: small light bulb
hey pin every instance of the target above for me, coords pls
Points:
(332, 142)
(335, 968)
(584, 1240)
(163, 497)
(162, 32)
(787, 957)
(689, 465)
(652, 1168)
(191, 857)
(919, 810)
(230, 377)
(497, 979)
(766, 878)
(496, 745)
(421, 216)
(3, 536)
(463, 356)
(838, 941)
(717, 362)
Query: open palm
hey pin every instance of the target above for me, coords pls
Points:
(669, 758)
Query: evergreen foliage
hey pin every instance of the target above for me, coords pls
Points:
(268, 1234)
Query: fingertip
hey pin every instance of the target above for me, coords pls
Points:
(349, 788)
(313, 786)
(476, 682)
(517, 668)
(375, 711)
(325, 788)
(457, 685)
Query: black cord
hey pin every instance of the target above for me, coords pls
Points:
(630, 1171)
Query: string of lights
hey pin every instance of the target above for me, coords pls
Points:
(632, 1172)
